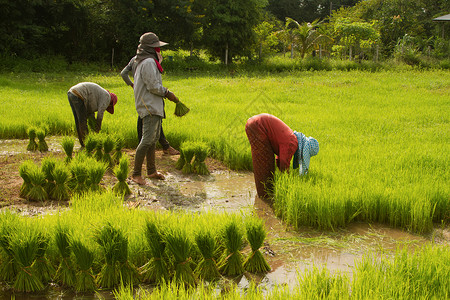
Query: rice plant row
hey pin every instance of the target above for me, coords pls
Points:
(192, 157)
(60, 252)
(57, 180)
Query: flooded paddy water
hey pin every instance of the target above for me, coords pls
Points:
(287, 251)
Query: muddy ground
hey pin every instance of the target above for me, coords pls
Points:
(285, 249)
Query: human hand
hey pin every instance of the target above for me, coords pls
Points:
(171, 96)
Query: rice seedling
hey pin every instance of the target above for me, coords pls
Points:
(79, 170)
(108, 147)
(118, 146)
(42, 144)
(84, 258)
(44, 269)
(92, 124)
(121, 188)
(155, 270)
(99, 149)
(255, 262)
(180, 162)
(61, 175)
(95, 170)
(65, 273)
(181, 109)
(232, 264)
(32, 145)
(38, 181)
(24, 172)
(188, 150)
(90, 143)
(201, 153)
(67, 144)
(8, 266)
(179, 245)
(116, 268)
(207, 267)
(25, 246)
(48, 165)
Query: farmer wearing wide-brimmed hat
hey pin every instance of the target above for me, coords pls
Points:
(149, 94)
(85, 99)
(269, 136)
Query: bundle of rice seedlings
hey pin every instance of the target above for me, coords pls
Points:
(231, 265)
(61, 175)
(99, 149)
(65, 274)
(95, 171)
(201, 153)
(108, 239)
(85, 280)
(207, 268)
(108, 147)
(179, 245)
(92, 124)
(188, 150)
(181, 109)
(38, 181)
(67, 144)
(180, 162)
(118, 146)
(121, 171)
(24, 172)
(25, 247)
(42, 144)
(43, 267)
(90, 143)
(155, 270)
(8, 266)
(32, 145)
(48, 165)
(79, 171)
(255, 262)
(128, 273)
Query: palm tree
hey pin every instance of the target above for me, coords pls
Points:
(305, 35)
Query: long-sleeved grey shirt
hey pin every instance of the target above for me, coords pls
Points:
(148, 89)
(96, 99)
(126, 71)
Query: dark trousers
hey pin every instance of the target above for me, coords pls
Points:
(80, 115)
(162, 138)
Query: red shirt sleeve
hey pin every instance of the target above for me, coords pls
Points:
(282, 138)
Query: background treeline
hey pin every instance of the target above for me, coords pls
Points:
(107, 31)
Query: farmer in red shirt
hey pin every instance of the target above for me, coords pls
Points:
(268, 135)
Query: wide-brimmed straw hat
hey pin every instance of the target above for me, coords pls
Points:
(150, 39)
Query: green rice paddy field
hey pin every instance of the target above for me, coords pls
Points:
(384, 154)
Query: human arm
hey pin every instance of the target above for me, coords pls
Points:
(126, 71)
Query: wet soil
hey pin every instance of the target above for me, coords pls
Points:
(286, 250)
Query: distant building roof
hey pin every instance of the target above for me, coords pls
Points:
(444, 18)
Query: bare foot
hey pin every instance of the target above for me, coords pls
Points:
(171, 151)
(138, 179)
(156, 175)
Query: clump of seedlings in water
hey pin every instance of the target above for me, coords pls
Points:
(79, 171)
(65, 274)
(95, 170)
(207, 268)
(188, 150)
(99, 149)
(108, 147)
(201, 153)
(61, 175)
(32, 145)
(155, 270)
(8, 266)
(232, 264)
(179, 245)
(38, 181)
(48, 166)
(90, 143)
(67, 144)
(121, 188)
(118, 146)
(84, 258)
(25, 246)
(42, 144)
(42, 266)
(24, 172)
(255, 262)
